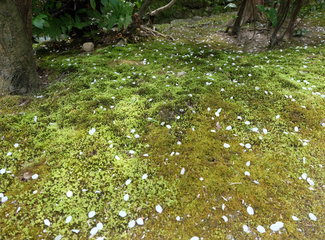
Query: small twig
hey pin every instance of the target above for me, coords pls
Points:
(161, 9)
(155, 33)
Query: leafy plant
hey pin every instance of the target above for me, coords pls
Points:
(270, 13)
(112, 13)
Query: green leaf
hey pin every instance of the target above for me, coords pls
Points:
(40, 21)
(93, 4)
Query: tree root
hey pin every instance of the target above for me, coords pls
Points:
(154, 33)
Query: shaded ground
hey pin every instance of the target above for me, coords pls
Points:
(252, 38)
(167, 140)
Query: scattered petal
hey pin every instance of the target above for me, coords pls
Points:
(276, 226)
(159, 209)
(122, 214)
(260, 229)
(131, 224)
(99, 226)
(69, 194)
(94, 231)
(226, 145)
(92, 131)
(140, 221)
(246, 229)
(58, 237)
(126, 197)
(91, 214)
(250, 210)
(195, 238)
(294, 218)
(35, 176)
(225, 218)
(68, 219)
(47, 222)
(312, 217)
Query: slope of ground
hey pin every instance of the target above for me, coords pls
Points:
(167, 140)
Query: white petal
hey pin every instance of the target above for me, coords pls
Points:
(92, 131)
(93, 231)
(226, 145)
(4, 199)
(122, 213)
(159, 209)
(294, 218)
(68, 219)
(58, 237)
(310, 181)
(304, 176)
(99, 226)
(195, 238)
(126, 197)
(225, 218)
(312, 217)
(246, 229)
(131, 224)
(145, 176)
(140, 221)
(248, 145)
(127, 182)
(91, 214)
(47, 222)
(260, 229)
(250, 210)
(276, 226)
(183, 171)
(35, 176)
(69, 194)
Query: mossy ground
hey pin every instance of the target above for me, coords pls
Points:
(141, 89)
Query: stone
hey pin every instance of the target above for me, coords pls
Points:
(121, 43)
(88, 46)
(26, 176)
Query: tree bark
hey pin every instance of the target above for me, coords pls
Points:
(251, 13)
(291, 26)
(238, 21)
(282, 14)
(144, 8)
(17, 65)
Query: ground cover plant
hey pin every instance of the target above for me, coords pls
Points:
(167, 140)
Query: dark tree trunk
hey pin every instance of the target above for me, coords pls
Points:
(17, 65)
(291, 26)
(240, 15)
(251, 13)
(144, 8)
(248, 12)
(283, 11)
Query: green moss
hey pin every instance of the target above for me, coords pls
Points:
(115, 90)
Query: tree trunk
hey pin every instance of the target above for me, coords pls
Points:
(240, 14)
(291, 26)
(144, 8)
(251, 13)
(247, 12)
(17, 64)
(282, 14)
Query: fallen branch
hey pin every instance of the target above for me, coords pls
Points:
(155, 33)
(161, 9)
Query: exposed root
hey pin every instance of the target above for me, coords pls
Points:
(152, 32)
